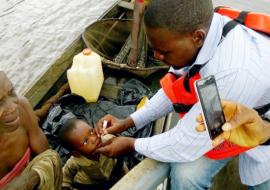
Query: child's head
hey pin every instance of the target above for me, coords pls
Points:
(80, 136)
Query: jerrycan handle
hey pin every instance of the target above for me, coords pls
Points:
(87, 51)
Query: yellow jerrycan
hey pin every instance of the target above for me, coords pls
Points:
(85, 77)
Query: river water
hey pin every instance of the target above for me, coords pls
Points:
(34, 33)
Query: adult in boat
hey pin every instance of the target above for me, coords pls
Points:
(190, 37)
(136, 51)
(25, 160)
(139, 7)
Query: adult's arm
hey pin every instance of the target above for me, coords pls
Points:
(37, 139)
(136, 23)
(183, 143)
(25, 181)
(158, 106)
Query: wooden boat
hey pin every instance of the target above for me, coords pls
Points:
(148, 174)
(52, 84)
(106, 37)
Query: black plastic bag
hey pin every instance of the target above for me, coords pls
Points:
(73, 106)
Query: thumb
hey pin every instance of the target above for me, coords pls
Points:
(218, 140)
(227, 126)
(105, 147)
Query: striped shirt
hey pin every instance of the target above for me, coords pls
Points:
(241, 66)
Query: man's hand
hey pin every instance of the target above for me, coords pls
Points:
(132, 58)
(244, 126)
(25, 181)
(114, 125)
(117, 146)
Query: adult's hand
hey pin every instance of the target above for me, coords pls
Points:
(25, 181)
(114, 125)
(117, 146)
(244, 126)
(132, 58)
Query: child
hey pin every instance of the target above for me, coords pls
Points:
(84, 167)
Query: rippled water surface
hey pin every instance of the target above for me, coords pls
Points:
(34, 33)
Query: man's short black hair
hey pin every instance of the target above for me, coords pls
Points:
(180, 16)
(65, 130)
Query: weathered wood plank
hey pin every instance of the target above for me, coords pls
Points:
(159, 126)
(148, 174)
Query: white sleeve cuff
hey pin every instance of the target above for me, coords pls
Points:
(139, 118)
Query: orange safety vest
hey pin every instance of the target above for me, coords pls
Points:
(181, 91)
(257, 21)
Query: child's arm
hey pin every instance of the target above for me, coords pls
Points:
(70, 169)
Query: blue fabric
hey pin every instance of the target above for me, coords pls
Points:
(196, 175)
(263, 186)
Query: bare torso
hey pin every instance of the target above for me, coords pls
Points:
(13, 145)
(19, 130)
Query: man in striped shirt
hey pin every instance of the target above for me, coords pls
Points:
(185, 34)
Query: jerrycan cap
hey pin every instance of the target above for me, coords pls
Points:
(87, 51)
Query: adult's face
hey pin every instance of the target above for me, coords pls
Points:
(9, 112)
(177, 50)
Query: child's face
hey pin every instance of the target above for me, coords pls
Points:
(84, 138)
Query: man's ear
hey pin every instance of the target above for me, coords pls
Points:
(198, 37)
(76, 154)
